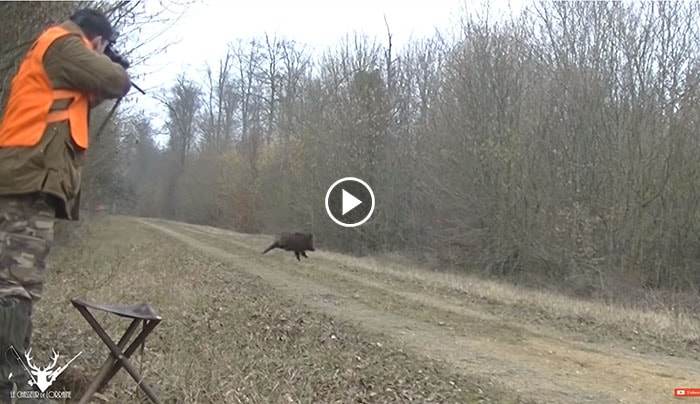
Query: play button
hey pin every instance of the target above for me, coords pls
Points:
(350, 202)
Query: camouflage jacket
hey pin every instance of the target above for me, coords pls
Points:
(54, 166)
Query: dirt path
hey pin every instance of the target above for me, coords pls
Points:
(541, 363)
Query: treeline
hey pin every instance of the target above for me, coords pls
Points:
(558, 144)
(562, 143)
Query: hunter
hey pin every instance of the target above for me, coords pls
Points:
(44, 136)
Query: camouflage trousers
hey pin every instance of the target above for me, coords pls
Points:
(15, 332)
(26, 235)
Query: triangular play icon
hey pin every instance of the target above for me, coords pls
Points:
(349, 202)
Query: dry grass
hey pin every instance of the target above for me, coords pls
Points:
(226, 336)
(669, 324)
(669, 328)
(475, 335)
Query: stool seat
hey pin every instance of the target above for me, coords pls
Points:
(142, 311)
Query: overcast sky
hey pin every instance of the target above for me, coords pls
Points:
(207, 26)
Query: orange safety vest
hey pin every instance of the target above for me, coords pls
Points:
(28, 109)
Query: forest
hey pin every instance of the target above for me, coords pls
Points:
(556, 146)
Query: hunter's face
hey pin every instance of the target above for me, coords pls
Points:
(99, 44)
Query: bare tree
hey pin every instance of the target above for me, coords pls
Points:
(182, 104)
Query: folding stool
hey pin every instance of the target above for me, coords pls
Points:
(140, 314)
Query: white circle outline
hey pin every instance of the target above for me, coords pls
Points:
(371, 210)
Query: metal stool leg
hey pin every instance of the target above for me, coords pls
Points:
(148, 327)
(102, 376)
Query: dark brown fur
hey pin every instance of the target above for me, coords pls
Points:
(297, 242)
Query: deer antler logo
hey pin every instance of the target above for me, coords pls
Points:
(44, 377)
